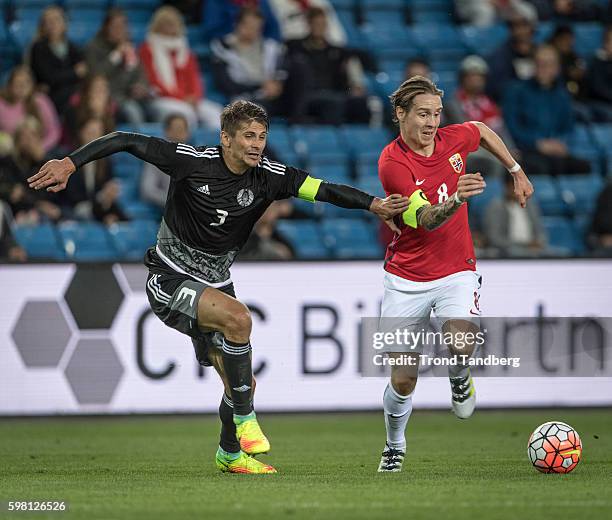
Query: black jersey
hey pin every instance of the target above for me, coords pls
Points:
(210, 211)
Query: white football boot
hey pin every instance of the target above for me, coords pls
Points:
(463, 396)
(391, 460)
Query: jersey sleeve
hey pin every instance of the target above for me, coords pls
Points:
(174, 159)
(396, 178)
(469, 133)
(284, 181)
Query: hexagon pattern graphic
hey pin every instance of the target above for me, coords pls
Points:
(41, 334)
(94, 296)
(94, 371)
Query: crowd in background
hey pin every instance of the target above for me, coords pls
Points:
(292, 57)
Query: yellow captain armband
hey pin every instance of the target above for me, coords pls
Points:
(417, 200)
(309, 188)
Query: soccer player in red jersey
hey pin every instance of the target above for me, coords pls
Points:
(430, 265)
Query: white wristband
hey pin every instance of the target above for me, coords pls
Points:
(457, 199)
(515, 168)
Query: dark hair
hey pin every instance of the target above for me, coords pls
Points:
(315, 12)
(171, 117)
(111, 14)
(239, 112)
(404, 96)
(248, 11)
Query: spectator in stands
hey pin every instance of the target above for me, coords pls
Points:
(93, 193)
(28, 155)
(57, 63)
(19, 100)
(470, 103)
(247, 65)
(328, 80)
(417, 67)
(573, 67)
(485, 13)
(293, 19)
(219, 17)
(112, 54)
(9, 249)
(514, 59)
(567, 10)
(154, 183)
(599, 80)
(513, 230)
(93, 101)
(601, 226)
(538, 113)
(173, 71)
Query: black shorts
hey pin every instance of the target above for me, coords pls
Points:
(174, 300)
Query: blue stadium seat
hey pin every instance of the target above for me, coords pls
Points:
(322, 141)
(149, 5)
(129, 189)
(86, 241)
(372, 186)
(343, 4)
(82, 33)
(86, 14)
(152, 129)
(580, 191)
(22, 32)
(432, 11)
(582, 144)
(367, 168)
(305, 238)
(126, 165)
(360, 138)
(477, 205)
(337, 173)
(138, 16)
(138, 31)
(483, 40)
(40, 241)
(383, 5)
(137, 209)
(563, 235)
(352, 238)
(548, 195)
(205, 137)
(133, 238)
(602, 133)
(442, 41)
(544, 31)
(588, 38)
(97, 4)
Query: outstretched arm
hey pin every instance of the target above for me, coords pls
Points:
(490, 141)
(348, 197)
(54, 174)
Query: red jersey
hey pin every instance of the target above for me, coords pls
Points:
(417, 254)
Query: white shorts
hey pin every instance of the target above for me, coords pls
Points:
(455, 296)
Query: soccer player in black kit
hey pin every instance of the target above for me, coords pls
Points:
(216, 196)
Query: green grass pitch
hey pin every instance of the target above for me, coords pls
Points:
(163, 467)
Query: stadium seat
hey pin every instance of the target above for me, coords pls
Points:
(82, 32)
(152, 129)
(137, 209)
(304, 237)
(40, 241)
(477, 205)
(125, 165)
(602, 133)
(367, 167)
(432, 11)
(442, 41)
(205, 137)
(97, 4)
(380, 5)
(580, 191)
(588, 38)
(360, 138)
(352, 238)
(548, 196)
(149, 5)
(483, 40)
(336, 173)
(133, 238)
(22, 32)
(86, 241)
(563, 235)
(324, 141)
(372, 186)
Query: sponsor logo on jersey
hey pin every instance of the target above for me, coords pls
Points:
(204, 189)
(418, 182)
(245, 197)
(456, 162)
(243, 388)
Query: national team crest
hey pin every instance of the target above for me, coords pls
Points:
(245, 197)
(456, 162)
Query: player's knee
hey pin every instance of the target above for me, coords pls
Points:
(403, 384)
(238, 324)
